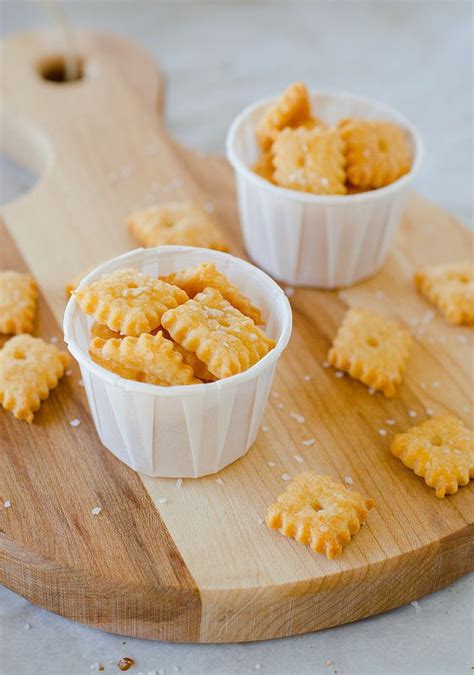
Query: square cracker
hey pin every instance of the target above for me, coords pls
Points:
(128, 301)
(451, 288)
(29, 369)
(441, 450)
(148, 358)
(310, 160)
(377, 152)
(181, 223)
(291, 109)
(371, 349)
(222, 337)
(318, 512)
(18, 299)
(194, 280)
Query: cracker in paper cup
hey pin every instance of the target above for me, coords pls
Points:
(181, 431)
(304, 239)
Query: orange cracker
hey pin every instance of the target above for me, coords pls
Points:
(451, 288)
(128, 301)
(377, 153)
(194, 280)
(29, 369)
(199, 368)
(310, 160)
(148, 358)
(371, 349)
(441, 450)
(222, 337)
(182, 223)
(263, 167)
(104, 332)
(318, 512)
(292, 109)
(18, 299)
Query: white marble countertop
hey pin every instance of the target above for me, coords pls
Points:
(218, 57)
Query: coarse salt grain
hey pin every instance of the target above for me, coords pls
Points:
(309, 441)
(297, 417)
(6, 504)
(436, 384)
(68, 372)
(54, 340)
(80, 383)
(286, 476)
(179, 482)
(265, 429)
(325, 364)
(289, 291)
(339, 374)
(260, 521)
(412, 413)
(429, 411)
(27, 625)
(96, 510)
(390, 422)
(271, 464)
(219, 481)
(75, 422)
(298, 459)
(307, 378)
(275, 394)
(383, 432)
(163, 500)
(416, 605)
(280, 406)
(348, 480)
(371, 391)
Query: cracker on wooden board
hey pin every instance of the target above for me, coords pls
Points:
(291, 109)
(371, 349)
(451, 288)
(310, 160)
(18, 300)
(377, 152)
(222, 337)
(441, 450)
(148, 358)
(128, 301)
(318, 512)
(179, 223)
(194, 280)
(29, 369)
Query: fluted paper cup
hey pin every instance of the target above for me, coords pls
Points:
(181, 431)
(304, 239)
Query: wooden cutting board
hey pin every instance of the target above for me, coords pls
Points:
(202, 567)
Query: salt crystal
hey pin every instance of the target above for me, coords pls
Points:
(390, 422)
(163, 500)
(286, 476)
(371, 391)
(271, 464)
(275, 394)
(179, 482)
(265, 429)
(54, 340)
(339, 374)
(75, 422)
(80, 383)
(348, 480)
(412, 413)
(280, 406)
(416, 605)
(219, 481)
(325, 364)
(298, 459)
(68, 372)
(7, 503)
(436, 384)
(429, 411)
(297, 417)
(258, 666)
(27, 625)
(96, 510)
(260, 521)
(307, 378)
(309, 441)
(289, 291)
(383, 432)
(423, 385)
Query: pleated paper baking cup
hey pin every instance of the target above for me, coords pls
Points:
(181, 431)
(317, 240)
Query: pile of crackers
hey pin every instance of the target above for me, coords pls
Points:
(300, 152)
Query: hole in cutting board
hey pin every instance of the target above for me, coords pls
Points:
(61, 70)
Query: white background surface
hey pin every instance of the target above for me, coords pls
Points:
(219, 56)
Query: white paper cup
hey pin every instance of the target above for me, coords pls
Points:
(182, 431)
(317, 240)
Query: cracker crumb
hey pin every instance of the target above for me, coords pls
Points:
(328, 663)
(75, 422)
(383, 432)
(286, 476)
(179, 482)
(298, 459)
(7, 504)
(125, 663)
(297, 417)
(163, 500)
(348, 480)
(96, 510)
(271, 464)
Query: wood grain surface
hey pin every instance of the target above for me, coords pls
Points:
(202, 567)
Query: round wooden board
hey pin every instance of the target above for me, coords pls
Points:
(201, 567)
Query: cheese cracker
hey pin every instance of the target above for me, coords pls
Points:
(377, 152)
(371, 349)
(148, 358)
(310, 160)
(291, 109)
(222, 337)
(29, 369)
(18, 299)
(451, 288)
(441, 450)
(194, 280)
(318, 512)
(181, 223)
(128, 301)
